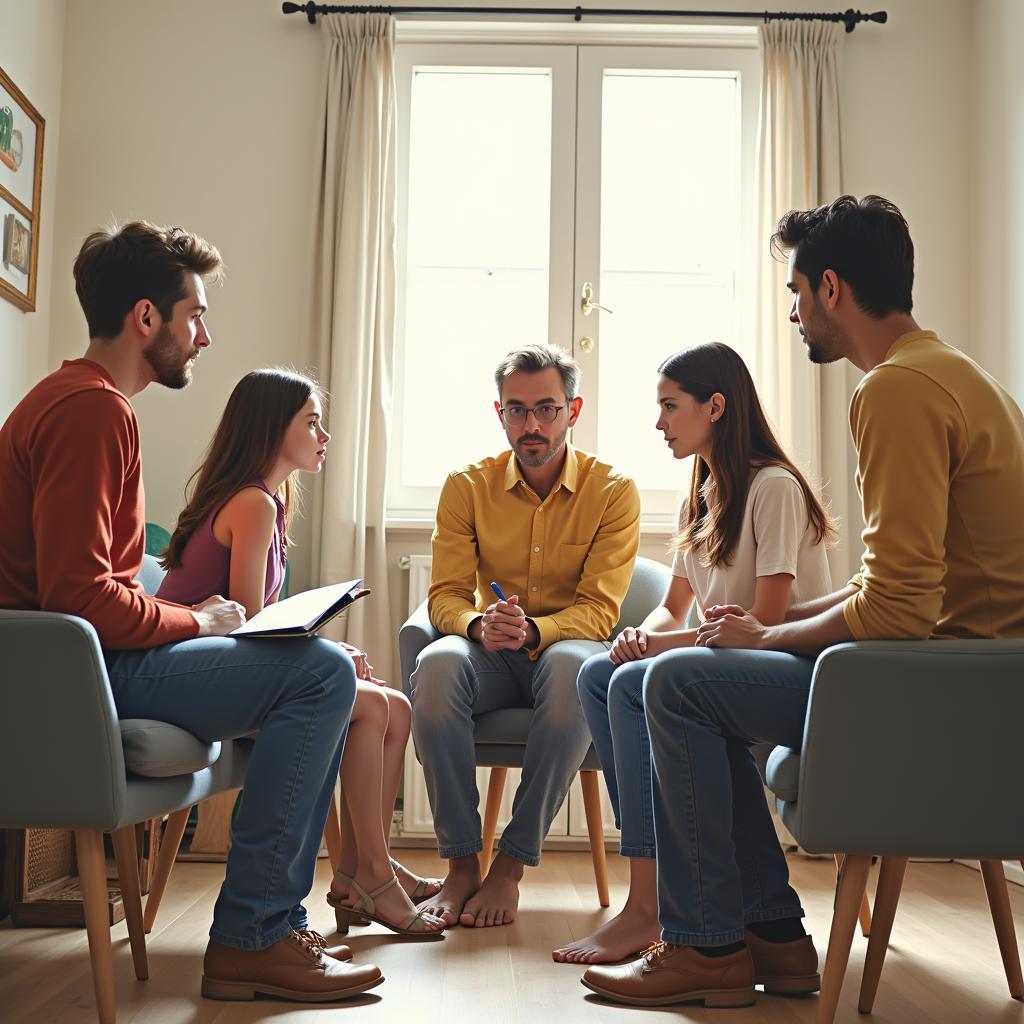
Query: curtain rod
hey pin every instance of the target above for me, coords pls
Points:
(850, 17)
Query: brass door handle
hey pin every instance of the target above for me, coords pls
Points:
(586, 300)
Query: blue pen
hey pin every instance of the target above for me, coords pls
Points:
(497, 590)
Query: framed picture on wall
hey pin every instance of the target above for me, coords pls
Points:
(21, 173)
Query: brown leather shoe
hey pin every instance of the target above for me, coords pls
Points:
(677, 974)
(339, 952)
(294, 968)
(785, 968)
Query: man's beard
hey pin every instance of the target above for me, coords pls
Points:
(823, 340)
(164, 356)
(537, 459)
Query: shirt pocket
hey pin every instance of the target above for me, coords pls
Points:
(568, 562)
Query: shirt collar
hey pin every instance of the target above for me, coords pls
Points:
(567, 478)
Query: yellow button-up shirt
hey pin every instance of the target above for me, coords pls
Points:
(569, 558)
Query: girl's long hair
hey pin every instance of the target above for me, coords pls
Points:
(742, 442)
(245, 445)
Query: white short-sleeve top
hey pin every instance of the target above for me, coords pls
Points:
(777, 537)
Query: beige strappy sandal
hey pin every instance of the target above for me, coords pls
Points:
(350, 921)
(419, 893)
(365, 908)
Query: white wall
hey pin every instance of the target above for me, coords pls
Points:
(906, 105)
(204, 115)
(996, 139)
(31, 52)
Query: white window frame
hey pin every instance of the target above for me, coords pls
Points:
(454, 44)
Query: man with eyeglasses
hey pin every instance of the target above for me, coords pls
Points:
(558, 531)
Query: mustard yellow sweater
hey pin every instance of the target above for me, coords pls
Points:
(940, 452)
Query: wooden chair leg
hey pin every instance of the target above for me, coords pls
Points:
(332, 834)
(999, 903)
(131, 895)
(495, 791)
(595, 828)
(169, 846)
(865, 906)
(92, 873)
(865, 916)
(853, 879)
(887, 897)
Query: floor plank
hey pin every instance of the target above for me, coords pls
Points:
(943, 965)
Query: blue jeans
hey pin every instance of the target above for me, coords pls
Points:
(612, 699)
(298, 695)
(456, 679)
(720, 865)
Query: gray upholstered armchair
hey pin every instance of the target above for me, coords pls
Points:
(501, 735)
(98, 774)
(909, 749)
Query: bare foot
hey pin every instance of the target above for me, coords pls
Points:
(623, 936)
(497, 900)
(462, 882)
(411, 882)
(393, 905)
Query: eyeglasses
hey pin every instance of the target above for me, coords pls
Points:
(516, 415)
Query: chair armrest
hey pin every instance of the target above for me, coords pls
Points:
(913, 748)
(417, 632)
(60, 746)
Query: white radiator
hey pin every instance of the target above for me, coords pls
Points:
(416, 821)
(418, 567)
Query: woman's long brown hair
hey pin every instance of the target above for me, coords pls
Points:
(742, 442)
(244, 447)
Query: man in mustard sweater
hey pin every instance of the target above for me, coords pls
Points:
(940, 451)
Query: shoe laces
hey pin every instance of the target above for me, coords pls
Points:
(311, 942)
(654, 952)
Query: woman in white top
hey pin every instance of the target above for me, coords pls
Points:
(751, 533)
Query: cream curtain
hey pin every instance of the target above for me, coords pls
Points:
(355, 317)
(800, 166)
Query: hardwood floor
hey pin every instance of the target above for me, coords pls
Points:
(943, 965)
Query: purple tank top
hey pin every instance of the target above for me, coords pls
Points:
(205, 567)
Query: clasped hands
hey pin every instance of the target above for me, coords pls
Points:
(364, 670)
(729, 625)
(724, 625)
(504, 626)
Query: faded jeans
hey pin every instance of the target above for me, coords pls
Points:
(720, 865)
(298, 695)
(612, 700)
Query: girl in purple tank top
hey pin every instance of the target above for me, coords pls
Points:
(231, 539)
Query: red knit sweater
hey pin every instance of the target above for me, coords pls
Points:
(72, 510)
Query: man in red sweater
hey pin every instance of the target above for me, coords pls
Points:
(72, 520)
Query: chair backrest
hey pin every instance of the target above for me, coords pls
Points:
(59, 736)
(646, 588)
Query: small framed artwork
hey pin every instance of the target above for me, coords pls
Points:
(21, 173)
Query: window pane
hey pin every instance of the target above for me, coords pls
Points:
(670, 247)
(477, 255)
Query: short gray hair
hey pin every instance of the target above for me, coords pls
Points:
(534, 359)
